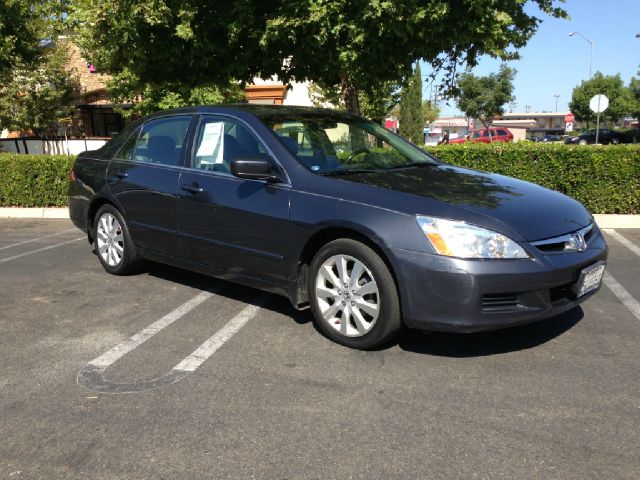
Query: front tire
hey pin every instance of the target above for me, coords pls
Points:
(113, 243)
(353, 295)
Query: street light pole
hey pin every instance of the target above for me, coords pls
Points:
(557, 96)
(591, 50)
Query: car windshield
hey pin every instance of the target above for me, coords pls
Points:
(328, 143)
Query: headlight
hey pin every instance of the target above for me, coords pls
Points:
(458, 239)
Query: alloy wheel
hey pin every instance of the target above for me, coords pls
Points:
(347, 295)
(110, 240)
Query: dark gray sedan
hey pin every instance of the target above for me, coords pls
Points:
(338, 214)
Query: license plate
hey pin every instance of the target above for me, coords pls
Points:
(590, 279)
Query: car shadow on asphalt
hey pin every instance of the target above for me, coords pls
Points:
(225, 289)
(461, 345)
(433, 343)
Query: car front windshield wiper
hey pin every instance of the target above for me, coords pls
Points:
(348, 171)
(411, 165)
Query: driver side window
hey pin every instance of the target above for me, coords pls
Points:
(220, 140)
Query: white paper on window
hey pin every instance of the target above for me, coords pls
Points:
(212, 144)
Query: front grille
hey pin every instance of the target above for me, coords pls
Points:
(552, 247)
(500, 301)
(566, 243)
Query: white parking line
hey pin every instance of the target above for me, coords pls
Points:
(209, 347)
(8, 259)
(108, 358)
(623, 295)
(623, 240)
(37, 239)
(92, 374)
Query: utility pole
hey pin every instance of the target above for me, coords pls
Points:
(556, 96)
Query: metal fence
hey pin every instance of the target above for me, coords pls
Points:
(39, 146)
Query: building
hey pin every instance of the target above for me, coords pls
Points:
(274, 92)
(455, 126)
(95, 116)
(536, 124)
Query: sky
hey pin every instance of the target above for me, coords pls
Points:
(554, 63)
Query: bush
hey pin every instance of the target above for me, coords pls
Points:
(606, 179)
(34, 180)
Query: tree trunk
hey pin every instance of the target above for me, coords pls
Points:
(350, 95)
(486, 129)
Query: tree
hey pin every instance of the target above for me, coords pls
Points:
(484, 98)
(37, 96)
(411, 115)
(621, 101)
(23, 26)
(375, 106)
(19, 33)
(356, 44)
(430, 112)
(146, 98)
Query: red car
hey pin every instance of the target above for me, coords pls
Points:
(482, 135)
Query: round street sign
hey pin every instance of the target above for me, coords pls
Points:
(569, 118)
(599, 103)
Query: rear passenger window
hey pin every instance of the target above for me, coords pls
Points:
(161, 140)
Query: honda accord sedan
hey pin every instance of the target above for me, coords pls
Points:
(340, 216)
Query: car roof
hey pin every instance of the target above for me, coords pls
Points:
(257, 110)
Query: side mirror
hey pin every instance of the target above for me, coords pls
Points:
(257, 168)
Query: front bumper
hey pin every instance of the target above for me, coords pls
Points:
(449, 294)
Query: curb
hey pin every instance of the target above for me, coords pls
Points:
(48, 213)
(604, 221)
(617, 221)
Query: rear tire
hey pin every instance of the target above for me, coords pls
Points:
(113, 243)
(353, 295)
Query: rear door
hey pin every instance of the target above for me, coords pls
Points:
(143, 177)
(227, 222)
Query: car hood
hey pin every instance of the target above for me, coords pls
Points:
(514, 207)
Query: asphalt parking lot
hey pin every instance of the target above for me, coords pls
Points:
(222, 381)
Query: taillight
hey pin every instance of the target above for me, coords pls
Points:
(72, 174)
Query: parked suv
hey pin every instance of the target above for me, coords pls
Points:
(486, 136)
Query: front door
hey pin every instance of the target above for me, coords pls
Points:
(227, 222)
(143, 177)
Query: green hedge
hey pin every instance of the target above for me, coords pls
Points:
(605, 178)
(34, 180)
